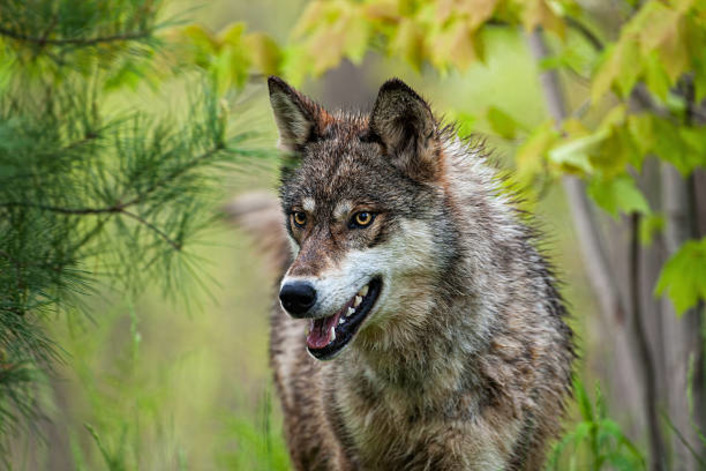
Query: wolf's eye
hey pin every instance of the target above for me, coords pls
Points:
(299, 218)
(362, 219)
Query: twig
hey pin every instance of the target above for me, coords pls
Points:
(683, 440)
(648, 363)
(587, 33)
(174, 174)
(157, 230)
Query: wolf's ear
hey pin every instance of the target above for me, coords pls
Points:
(297, 117)
(404, 123)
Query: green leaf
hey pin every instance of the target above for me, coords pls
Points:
(530, 156)
(621, 67)
(656, 78)
(574, 155)
(616, 152)
(296, 63)
(583, 401)
(629, 68)
(683, 276)
(463, 122)
(650, 225)
(502, 123)
(358, 33)
(604, 74)
(641, 131)
(683, 147)
(618, 195)
(233, 61)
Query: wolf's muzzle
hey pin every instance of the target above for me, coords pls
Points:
(297, 297)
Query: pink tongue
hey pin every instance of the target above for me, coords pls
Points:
(320, 331)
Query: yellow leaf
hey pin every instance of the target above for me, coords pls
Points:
(357, 34)
(655, 24)
(621, 67)
(384, 10)
(264, 51)
(463, 46)
(674, 52)
(232, 35)
(640, 127)
(630, 67)
(326, 48)
(573, 127)
(539, 13)
(445, 8)
(615, 117)
(478, 11)
(605, 73)
(683, 5)
(310, 19)
(409, 43)
(201, 39)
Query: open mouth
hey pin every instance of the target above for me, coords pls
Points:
(328, 335)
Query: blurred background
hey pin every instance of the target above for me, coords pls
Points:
(596, 107)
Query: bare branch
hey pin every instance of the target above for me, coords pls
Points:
(598, 269)
(592, 38)
(643, 349)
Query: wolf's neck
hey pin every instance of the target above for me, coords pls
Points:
(437, 353)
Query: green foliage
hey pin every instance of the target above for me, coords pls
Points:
(595, 439)
(684, 276)
(657, 61)
(230, 56)
(93, 191)
(253, 445)
(502, 123)
(618, 195)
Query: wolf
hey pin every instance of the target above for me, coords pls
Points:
(418, 325)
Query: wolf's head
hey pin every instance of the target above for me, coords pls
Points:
(364, 205)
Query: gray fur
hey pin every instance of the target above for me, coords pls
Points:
(467, 362)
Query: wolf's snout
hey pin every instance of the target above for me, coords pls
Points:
(297, 297)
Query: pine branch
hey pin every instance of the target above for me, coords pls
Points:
(120, 207)
(176, 245)
(80, 42)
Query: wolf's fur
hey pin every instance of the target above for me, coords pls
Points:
(465, 360)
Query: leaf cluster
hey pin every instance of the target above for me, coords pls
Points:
(644, 87)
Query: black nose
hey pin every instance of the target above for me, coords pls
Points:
(297, 297)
